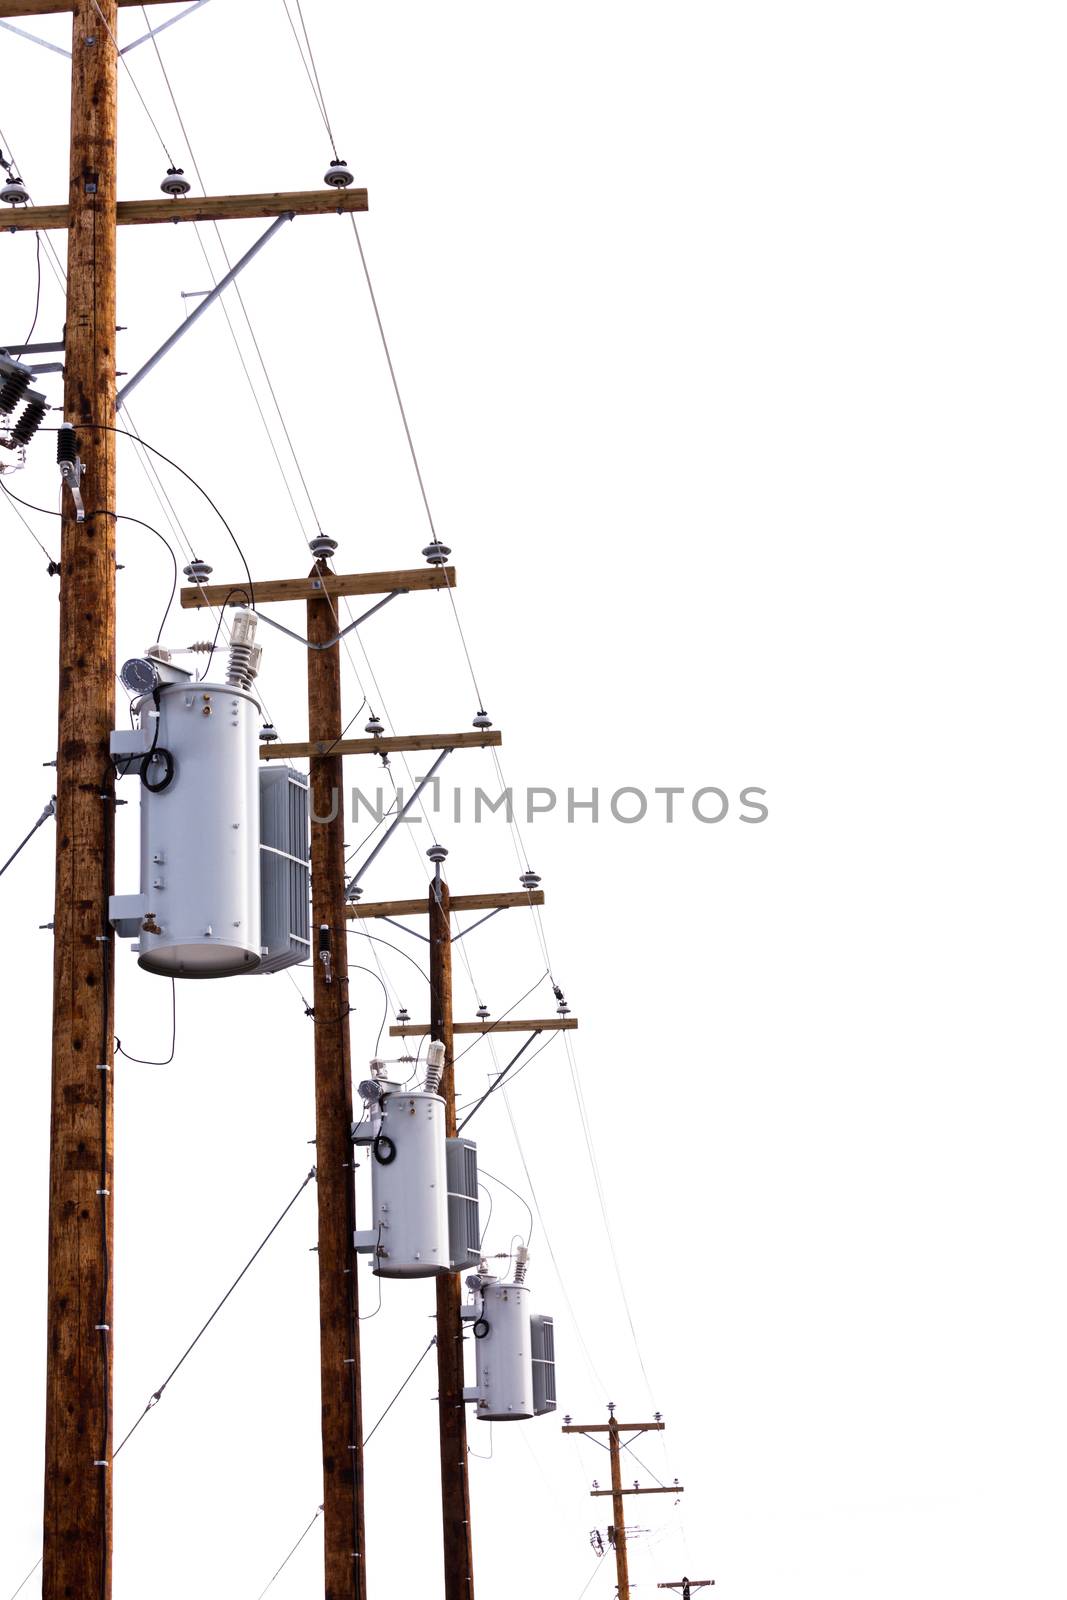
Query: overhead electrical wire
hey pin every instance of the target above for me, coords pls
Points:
(27, 1578)
(136, 88)
(15, 502)
(292, 1552)
(58, 270)
(504, 1014)
(500, 1076)
(366, 1441)
(583, 1114)
(120, 516)
(109, 427)
(155, 1398)
(37, 304)
(483, 1172)
(140, 1060)
(49, 811)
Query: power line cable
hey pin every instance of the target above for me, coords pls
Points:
(366, 1441)
(500, 1076)
(155, 1398)
(292, 1552)
(483, 1172)
(108, 427)
(120, 516)
(27, 1578)
(400, 1391)
(141, 1062)
(504, 1014)
(14, 502)
(37, 304)
(133, 80)
(49, 811)
(312, 71)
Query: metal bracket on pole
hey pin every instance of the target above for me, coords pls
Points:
(414, 932)
(397, 820)
(194, 316)
(328, 644)
(464, 931)
(56, 49)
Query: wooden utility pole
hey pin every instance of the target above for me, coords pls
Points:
(613, 1429)
(342, 1402)
(685, 1586)
(78, 1424)
(455, 1477)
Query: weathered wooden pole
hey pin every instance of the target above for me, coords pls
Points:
(618, 1513)
(455, 1483)
(78, 1416)
(342, 1402)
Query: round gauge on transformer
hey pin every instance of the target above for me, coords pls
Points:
(139, 676)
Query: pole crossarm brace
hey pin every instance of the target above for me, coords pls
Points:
(404, 581)
(381, 746)
(58, 50)
(419, 1030)
(459, 902)
(605, 1427)
(688, 1583)
(209, 299)
(35, 38)
(211, 208)
(664, 1489)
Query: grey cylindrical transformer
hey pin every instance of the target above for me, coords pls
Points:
(200, 870)
(409, 1182)
(504, 1365)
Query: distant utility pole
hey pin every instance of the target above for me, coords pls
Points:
(684, 1586)
(455, 1478)
(618, 1510)
(438, 908)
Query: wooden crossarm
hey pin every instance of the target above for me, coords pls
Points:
(48, 8)
(406, 579)
(677, 1489)
(419, 1030)
(375, 747)
(605, 1427)
(459, 902)
(212, 208)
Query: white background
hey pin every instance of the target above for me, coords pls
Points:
(732, 338)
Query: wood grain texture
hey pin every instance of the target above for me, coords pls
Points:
(618, 1515)
(455, 1482)
(334, 583)
(78, 1414)
(418, 1030)
(376, 747)
(341, 1382)
(460, 902)
(48, 8)
(208, 208)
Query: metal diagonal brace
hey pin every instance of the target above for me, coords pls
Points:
(397, 820)
(57, 49)
(414, 932)
(144, 37)
(456, 937)
(194, 316)
(328, 644)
